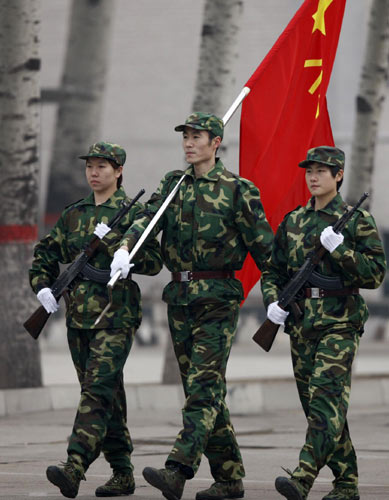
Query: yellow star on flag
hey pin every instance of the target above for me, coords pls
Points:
(318, 16)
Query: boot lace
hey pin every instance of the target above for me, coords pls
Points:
(115, 479)
(70, 469)
(288, 471)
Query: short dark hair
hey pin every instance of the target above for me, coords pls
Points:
(211, 136)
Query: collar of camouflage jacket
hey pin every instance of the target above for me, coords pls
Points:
(114, 202)
(335, 205)
(212, 175)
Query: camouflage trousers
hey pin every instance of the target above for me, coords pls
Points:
(202, 338)
(322, 369)
(100, 423)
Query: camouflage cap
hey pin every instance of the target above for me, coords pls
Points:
(328, 155)
(106, 150)
(203, 121)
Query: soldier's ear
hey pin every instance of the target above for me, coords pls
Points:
(339, 175)
(217, 141)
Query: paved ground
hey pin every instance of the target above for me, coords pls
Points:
(31, 442)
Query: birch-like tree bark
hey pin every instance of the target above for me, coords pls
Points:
(218, 52)
(213, 91)
(81, 101)
(19, 140)
(373, 88)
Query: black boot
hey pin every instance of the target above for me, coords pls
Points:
(66, 477)
(221, 490)
(170, 481)
(120, 483)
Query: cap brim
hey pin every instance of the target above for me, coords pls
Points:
(305, 163)
(181, 128)
(85, 157)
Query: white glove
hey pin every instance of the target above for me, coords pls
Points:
(47, 299)
(101, 230)
(121, 262)
(276, 314)
(331, 240)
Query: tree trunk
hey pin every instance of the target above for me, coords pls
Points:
(214, 91)
(369, 102)
(19, 140)
(218, 52)
(81, 102)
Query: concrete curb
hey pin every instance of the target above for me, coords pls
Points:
(243, 396)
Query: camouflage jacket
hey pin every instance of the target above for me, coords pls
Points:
(211, 224)
(359, 261)
(68, 238)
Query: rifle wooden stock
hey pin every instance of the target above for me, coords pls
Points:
(266, 334)
(35, 323)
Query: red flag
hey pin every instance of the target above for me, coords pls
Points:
(285, 112)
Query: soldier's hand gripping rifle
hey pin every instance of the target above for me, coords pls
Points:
(37, 320)
(267, 332)
(138, 244)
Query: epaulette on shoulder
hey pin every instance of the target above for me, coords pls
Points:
(243, 180)
(294, 210)
(69, 208)
(174, 173)
(138, 204)
(73, 205)
(363, 211)
(239, 178)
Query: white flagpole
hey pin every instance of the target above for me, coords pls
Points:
(234, 106)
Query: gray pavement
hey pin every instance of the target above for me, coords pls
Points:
(32, 441)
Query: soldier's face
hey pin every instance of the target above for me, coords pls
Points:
(101, 175)
(320, 181)
(198, 147)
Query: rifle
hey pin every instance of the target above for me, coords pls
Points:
(37, 320)
(267, 332)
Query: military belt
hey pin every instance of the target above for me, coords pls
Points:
(202, 275)
(319, 293)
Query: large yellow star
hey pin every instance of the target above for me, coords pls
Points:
(319, 16)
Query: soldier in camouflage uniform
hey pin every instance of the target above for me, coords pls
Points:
(99, 353)
(214, 220)
(324, 341)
